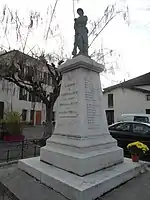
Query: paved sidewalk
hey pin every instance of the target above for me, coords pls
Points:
(136, 189)
(25, 187)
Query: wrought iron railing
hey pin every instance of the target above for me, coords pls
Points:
(10, 151)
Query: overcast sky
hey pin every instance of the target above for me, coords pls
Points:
(131, 42)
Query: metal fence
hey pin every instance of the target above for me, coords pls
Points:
(10, 151)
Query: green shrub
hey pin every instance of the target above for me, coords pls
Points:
(12, 122)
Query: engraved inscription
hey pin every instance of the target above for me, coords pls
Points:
(92, 104)
(68, 101)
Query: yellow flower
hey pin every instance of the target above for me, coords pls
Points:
(139, 145)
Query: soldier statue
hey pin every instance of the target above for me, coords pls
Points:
(81, 34)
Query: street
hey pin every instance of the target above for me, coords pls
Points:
(33, 132)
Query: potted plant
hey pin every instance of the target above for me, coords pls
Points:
(13, 125)
(137, 149)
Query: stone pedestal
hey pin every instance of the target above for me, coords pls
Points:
(81, 160)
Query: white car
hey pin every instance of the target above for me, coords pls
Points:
(135, 117)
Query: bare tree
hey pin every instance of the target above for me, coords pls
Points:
(13, 24)
(108, 57)
(33, 75)
(110, 13)
(23, 69)
(30, 71)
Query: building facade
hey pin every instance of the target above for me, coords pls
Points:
(14, 98)
(129, 97)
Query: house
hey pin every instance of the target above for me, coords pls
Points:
(17, 99)
(132, 96)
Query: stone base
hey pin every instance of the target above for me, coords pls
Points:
(81, 188)
(81, 164)
(81, 156)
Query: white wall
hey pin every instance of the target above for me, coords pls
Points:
(9, 94)
(127, 101)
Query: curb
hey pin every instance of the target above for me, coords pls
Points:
(8, 163)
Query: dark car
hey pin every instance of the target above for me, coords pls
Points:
(127, 132)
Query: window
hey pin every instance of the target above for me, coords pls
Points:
(30, 96)
(49, 79)
(140, 128)
(38, 99)
(141, 119)
(148, 97)
(28, 72)
(24, 115)
(110, 101)
(45, 78)
(34, 98)
(23, 94)
(121, 127)
(42, 77)
(39, 75)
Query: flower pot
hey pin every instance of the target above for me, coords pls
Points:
(14, 138)
(135, 158)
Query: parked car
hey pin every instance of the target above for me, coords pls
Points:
(129, 131)
(135, 117)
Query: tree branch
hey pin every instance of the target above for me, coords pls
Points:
(53, 12)
(101, 30)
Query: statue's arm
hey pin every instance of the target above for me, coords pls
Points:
(82, 20)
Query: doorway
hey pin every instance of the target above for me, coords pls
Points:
(147, 111)
(32, 117)
(24, 115)
(110, 116)
(1, 110)
(38, 117)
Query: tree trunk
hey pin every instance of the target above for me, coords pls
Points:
(49, 123)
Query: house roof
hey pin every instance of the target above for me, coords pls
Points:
(17, 52)
(29, 60)
(132, 83)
